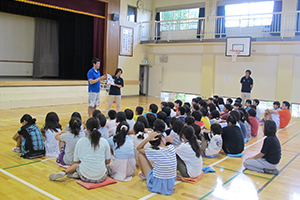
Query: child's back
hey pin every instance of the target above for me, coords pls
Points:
(104, 132)
(111, 126)
(254, 125)
(71, 140)
(214, 145)
(92, 165)
(163, 175)
(51, 144)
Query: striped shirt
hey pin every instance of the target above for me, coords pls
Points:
(164, 161)
(176, 138)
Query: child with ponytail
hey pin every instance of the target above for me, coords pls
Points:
(189, 160)
(140, 135)
(161, 175)
(49, 131)
(123, 165)
(29, 139)
(91, 156)
(68, 140)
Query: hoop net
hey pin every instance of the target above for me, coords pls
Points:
(234, 54)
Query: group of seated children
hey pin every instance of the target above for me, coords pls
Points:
(158, 142)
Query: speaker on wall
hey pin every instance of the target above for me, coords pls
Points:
(115, 17)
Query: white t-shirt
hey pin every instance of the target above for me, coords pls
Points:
(193, 163)
(51, 144)
(137, 141)
(173, 113)
(92, 165)
(164, 162)
(258, 113)
(131, 123)
(104, 132)
(70, 139)
(125, 151)
(214, 146)
(111, 126)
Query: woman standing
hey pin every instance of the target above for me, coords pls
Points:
(115, 91)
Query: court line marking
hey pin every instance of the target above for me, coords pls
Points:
(29, 163)
(217, 162)
(267, 183)
(152, 194)
(29, 185)
(247, 148)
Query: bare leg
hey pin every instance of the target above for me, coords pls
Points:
(18, 139)
(91, 110)
(145, 165)
(72, 168)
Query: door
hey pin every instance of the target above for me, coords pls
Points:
(155, 77)
(144, 71)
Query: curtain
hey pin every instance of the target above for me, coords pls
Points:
(157, 26)
(76, 39)
(276, 20)
(220, 23)
(45, 61)
(99, 30)
(200, 29)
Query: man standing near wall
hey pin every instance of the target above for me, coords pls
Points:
(94, 78)
(247, 85)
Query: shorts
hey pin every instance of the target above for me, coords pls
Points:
(84, 179)
(158, 185)
(94, 99)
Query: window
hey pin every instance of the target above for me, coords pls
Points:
(131, 14)
(177, 15)
(249, 14)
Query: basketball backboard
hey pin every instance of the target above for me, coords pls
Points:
(242, 44)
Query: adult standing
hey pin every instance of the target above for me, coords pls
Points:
(115, 90)
(247, 85)
(94, 78)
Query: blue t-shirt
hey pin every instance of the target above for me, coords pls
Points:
(126, 151)
(92, 74)
(246, 84)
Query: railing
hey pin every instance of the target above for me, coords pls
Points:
(257, 26)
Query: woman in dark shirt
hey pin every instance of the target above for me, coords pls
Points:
(115, 90)
(268, 159)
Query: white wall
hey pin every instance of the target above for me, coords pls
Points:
(264, 73)
(130, 65)
(16, 44)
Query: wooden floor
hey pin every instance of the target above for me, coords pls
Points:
(28, 179)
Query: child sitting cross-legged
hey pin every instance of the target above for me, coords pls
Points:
(29, 138)
(122, 166)
(91, 156)
(189, 160)
(267, 160)
(68, 140)
(212, 142)
(161, 174)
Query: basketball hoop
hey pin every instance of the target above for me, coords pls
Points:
(234, 54)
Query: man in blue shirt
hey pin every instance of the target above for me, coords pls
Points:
(94, 78)
(247, 85)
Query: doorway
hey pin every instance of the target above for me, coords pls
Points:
(144, 79)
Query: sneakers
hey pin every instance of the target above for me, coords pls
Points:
(74, 175)
(142, 175)
(271, 171)
(17, 149)
(55, 176)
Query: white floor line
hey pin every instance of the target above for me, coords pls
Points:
(47, 159)
(30, 185)
(215, 163)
